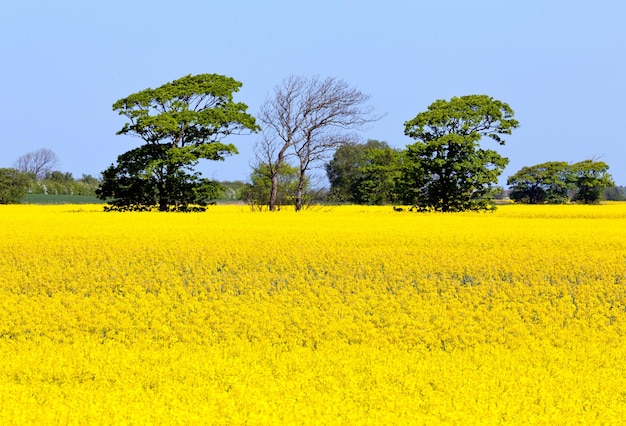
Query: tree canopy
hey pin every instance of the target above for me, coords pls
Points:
(591, 178)
(180, 123)
(546, 182)
(446, 169)
(363, 173)
(553, 181)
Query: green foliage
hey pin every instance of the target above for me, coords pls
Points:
(133, 184)
(57, 176)
(180, 123)
(381, 170)
(446, 170)
(13, 185)
(547, 182)
(59, 183)
(362, 173)
(344, 170)
(257, 192)
(232, 190)
(553, 181)
(89, 180)
(591, 179)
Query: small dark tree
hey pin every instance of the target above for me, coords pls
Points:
(344, 171)
(13, 185)
(615, 193)
(180, 123)
(136, 189)
(89, 180)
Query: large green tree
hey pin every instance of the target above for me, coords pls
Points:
(546, 182)
(446, 169)
(179, 123)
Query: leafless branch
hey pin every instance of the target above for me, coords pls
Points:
(313, 117)
(39, 162)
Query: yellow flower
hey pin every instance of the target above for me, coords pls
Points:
(338, 315)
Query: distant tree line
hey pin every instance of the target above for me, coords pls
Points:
(351, 180)
(358, 173)
(444, 170)
(558, 182)
(34, 173)
(307, 125)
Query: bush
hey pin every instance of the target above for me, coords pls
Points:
(13, 186)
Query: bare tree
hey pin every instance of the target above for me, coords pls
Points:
(271, 153)
(39, 162)
(309, 119)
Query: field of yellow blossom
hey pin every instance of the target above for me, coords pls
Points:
(334, 315)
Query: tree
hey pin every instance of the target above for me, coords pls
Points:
(89, 180)
(38, 163)
(546, 182)
(345, 168)
(615, 193)
(308, 118)
(180, 123)
(446, 169)
(258, 192)
(379, 174)
(13, 185)
(591, 179)
(552, 182)
(364, 173)
(58, 176)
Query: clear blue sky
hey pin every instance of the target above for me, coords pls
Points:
(561, 65)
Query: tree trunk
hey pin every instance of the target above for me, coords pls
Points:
(163, 206)
(274, 191)
(300, 190)
(162, 196)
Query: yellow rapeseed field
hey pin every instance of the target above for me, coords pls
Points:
(334, 315)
